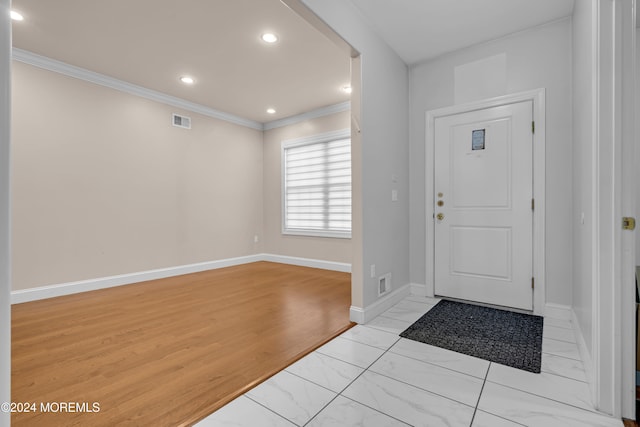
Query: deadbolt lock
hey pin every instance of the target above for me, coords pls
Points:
(628, 223)
(440, 203)
(440, 216)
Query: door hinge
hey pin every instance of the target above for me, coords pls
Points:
(533, 127)
(533, 204)
(532, 283)
(628, 223)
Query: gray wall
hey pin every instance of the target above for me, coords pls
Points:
(385, 150)
(583, 142)
(536, 58)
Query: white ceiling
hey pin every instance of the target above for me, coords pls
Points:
(151, 43)
(419, 30)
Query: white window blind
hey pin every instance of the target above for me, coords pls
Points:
(317, 188)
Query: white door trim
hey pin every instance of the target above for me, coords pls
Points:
(630, 177)
(613, 195)
(537, 96)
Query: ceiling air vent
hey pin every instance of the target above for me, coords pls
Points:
(181, 121)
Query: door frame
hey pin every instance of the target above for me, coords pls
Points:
(537, 96)
(613, 193)
(630, 204)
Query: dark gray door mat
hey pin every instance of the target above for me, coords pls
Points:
(505, 337)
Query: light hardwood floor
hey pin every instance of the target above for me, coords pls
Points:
(168, 352)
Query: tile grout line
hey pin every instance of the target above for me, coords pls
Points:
(246, 394)
(559, 355)
(423, 389)
(347, 386)
(564, 341)
(353, 364)
(591, 411)
(313, 382)
(267, 408)
(395, 332)
(410, 322)
(360, 342)
(377, 410)
(437, 365)
(562, 376)
(337, 394)
(480, 395)
(340, 360)
(388, 350)
(362, 373)
(368, 369)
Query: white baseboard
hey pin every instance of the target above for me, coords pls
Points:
(308, 262)
(356, 314)
(585, 355)
(51, 291)
(557, 311)
(359, 315)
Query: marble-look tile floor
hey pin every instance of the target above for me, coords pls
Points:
(371, 377)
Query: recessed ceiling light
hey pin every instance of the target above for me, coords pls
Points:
(187, 80)
(347, 89)
(271, 110)
(16, 16)
(269, 38)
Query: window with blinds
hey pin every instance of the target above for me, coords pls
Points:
(317, 186)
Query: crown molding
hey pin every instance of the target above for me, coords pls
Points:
(60, 67)
(122, 86)
(314, 114)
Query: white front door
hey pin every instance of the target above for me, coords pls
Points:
(483, 189)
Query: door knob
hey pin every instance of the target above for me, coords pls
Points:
(440, 216)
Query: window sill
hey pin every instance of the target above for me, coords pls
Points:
(309, 233)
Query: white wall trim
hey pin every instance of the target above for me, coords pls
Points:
(537, 96)
(359, 315)
(308, 262)
(313, 114)
(122, 86)
(51, 291)
(63, 68)
(585, 354)
(628, 207)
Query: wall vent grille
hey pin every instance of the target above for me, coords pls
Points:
(384, 284)
(181, 121)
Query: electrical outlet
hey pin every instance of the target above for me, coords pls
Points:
(256, 239)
